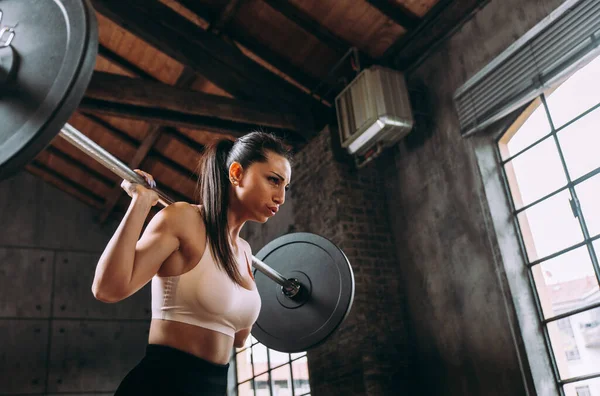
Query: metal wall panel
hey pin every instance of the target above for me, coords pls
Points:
(25, 282)
(89, 356)
(24, 345)
(73, 296)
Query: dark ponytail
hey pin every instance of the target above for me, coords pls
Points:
(213, 188)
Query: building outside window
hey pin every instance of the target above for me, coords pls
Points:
(551, 162)
(260, 371)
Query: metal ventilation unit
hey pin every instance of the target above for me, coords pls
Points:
(373, 112)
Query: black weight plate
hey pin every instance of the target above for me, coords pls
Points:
(324, 271)
(56, 42)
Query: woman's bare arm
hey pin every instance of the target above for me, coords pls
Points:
(127, 264)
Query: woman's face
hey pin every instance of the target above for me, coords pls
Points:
(261, 187)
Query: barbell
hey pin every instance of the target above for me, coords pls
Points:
(47, 56)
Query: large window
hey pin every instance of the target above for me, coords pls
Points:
(551, 162)
(264, 372)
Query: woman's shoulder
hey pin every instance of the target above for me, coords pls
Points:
(180, 214)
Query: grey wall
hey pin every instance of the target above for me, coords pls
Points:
(472, 328)
(468, 335)
(55, 337)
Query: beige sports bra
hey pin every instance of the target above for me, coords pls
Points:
(206, 297)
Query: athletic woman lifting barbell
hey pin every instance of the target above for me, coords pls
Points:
(304, 287)
(204, 300)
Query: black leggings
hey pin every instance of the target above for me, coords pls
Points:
(171, 372)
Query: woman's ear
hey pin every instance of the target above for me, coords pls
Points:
(236, 172)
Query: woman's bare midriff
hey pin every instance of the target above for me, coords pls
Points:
(204, 343)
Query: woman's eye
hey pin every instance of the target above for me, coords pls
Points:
(274, 180)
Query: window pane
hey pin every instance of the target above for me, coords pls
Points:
(566, 282)
(243, 366)
(278, 358)
(281, 381)
(535, 173)
(261, 384)
(533, 129)
(579, 388)
(580, 92)
(588, 194)
(579, 143)
(297, 355)
(300, 372)
(549, 226)
(259, 358)
(573, 340)
(246, 389)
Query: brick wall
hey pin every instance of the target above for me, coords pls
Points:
(370, 353)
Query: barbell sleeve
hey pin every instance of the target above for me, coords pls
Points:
(112, 163)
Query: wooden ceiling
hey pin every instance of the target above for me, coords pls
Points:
(174, 75)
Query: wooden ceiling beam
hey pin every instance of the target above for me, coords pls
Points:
(178, 120)
(72, 161)
(185, 79)
(307, 23)
(439, 23)
(398, 13)
(174, 134)
(123, 63)
(253, 45)
(116, 132)
(229, 11)
(168, 105)
(209, 55)
(120, 135)
(271, 57)
(103, 179)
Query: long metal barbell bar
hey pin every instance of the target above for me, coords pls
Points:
(290, 287)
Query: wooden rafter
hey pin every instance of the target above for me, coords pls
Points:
(271, 57)
(123, 63)
(307, 23)
(122, 136)
(438, 24)
(236, 34)
(185, 79)
(168, 105)
(225, 17)
(210, 56)
(72, 161)
(398, 13)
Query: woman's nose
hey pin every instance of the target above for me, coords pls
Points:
(279, 199)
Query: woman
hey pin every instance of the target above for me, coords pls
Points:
(204, 299)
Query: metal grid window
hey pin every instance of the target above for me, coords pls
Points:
(550, 160)
(260, 371)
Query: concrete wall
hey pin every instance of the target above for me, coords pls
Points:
(56, 338)
(471, 326)
(469, 304)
